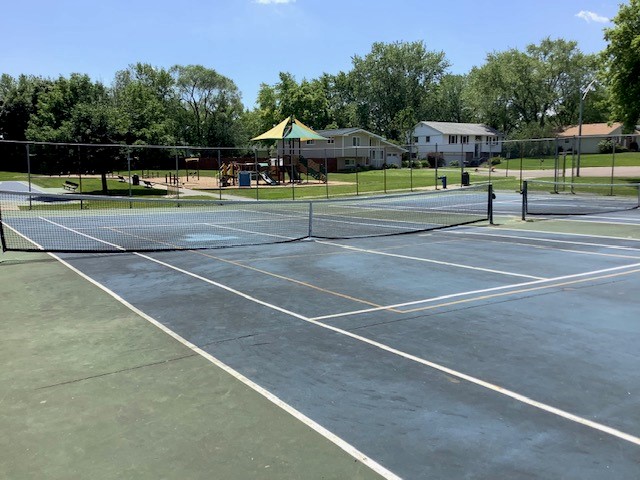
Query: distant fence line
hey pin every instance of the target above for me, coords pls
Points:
(562, 154)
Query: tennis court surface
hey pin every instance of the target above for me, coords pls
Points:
(477, 351)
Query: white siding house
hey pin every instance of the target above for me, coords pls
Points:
(468, 142)
(348, 147)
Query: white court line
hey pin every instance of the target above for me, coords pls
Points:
(82, 234)
(585, 220)
(548, 240)
(472, 292)
(608, 217)
(546, 232)
(23, 236)
(493, 387)
(427, 260)
(496, 388)
(336, 440)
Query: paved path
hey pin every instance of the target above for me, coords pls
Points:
(584, 172)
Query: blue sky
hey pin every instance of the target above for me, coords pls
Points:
(251, 41)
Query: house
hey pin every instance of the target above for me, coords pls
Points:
(592, 135)
(455, 142)
(348, 147)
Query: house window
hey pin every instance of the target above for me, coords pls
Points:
(311, 142)
(453, 139)
(464, 139)
(349, 162)
(415, 139)
(478, 138)
(331, 140)
(356, 141)
(373, 154)
(427, 139)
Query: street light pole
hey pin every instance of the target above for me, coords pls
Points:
(582, 97)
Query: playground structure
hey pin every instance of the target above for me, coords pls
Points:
(272, 172)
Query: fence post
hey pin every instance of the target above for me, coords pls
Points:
(177, 178)
(219, 177)
(326, 173)
(461, 159)
(521, 158)
(613, 161)
(384, 169)
(255, 159)
(29, 174)
(524, 200)
(437, 160)
(490, 205)
(410, 166)
(490, 158)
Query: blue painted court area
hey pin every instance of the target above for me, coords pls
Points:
(12, 186)
(473, 352)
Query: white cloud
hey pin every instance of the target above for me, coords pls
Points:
(270, 2)
(589, 17)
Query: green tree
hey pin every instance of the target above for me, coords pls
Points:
(622, 64)
(308, 101)
(145, 97)
(61, 112)
(392, 86)
(448, 103)
(18, 102)
(212, 102)
(77, 110)
(515, 90)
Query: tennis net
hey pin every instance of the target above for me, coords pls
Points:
(88, 223)
(562, 198)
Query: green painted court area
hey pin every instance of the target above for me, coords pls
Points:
(92, 390)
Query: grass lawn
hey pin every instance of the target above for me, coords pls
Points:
(368, 183)
(627, 159)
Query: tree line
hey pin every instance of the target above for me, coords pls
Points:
(524, 93)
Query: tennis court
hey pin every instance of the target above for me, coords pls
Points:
(477, 351)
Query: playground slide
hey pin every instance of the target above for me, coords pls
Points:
(267, 178)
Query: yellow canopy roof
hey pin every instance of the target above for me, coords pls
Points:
(276, 133)
(285, 131)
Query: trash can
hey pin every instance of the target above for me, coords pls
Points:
(135, 180)
(465, 179)
(244, 179)
(444, 181)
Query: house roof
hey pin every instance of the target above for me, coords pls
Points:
(343, 132)
(338, 132)
(590, 129)
(452, 128)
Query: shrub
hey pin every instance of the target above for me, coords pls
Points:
(405, 164)
(454, 163)
(416, 165)
(496, 160)
(424, 164)
(606, 146)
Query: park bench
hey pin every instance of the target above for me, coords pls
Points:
(121, 178)
(71, 186)
(147, 183)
